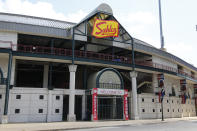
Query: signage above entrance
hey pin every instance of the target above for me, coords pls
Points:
(110, 92)
(105, 28)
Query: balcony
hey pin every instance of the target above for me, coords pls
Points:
(68, 52)
(94, 55)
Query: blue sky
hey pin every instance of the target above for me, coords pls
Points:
(139, 17)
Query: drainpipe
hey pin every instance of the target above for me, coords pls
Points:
(73, 46)
(133, 61)
(8, 84)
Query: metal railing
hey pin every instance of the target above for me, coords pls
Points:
(91, 55)
(68, 52)
(109, 86)
(156, 65)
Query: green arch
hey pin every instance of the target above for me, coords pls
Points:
(109, 69)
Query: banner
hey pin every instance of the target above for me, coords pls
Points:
(94, 104)
(105, 28)
(126, 114)
(118, 92)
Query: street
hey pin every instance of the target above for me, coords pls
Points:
(190, 125)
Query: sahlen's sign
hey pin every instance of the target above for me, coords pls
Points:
(105, 28)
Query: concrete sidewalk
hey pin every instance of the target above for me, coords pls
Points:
(78, 125)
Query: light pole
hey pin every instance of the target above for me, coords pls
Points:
(160, 24)
(162, 95)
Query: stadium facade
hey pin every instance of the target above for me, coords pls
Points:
(53, 70)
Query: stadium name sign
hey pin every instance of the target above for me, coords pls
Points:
(105, 28)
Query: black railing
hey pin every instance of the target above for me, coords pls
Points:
(109, 86)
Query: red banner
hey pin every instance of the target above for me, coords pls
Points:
(159, 97)
(94, 104)
(126, 105)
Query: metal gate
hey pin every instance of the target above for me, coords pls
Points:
(110, 108)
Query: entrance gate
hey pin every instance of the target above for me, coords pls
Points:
(109, 104)
(110, 108)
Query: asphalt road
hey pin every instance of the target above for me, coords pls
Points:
(184, 125)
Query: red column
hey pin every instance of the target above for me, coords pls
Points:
(94, 104)
(126, 105)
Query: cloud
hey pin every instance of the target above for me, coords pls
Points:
(40, 9)
(136, 23)
(183, 51)
(139, 17)
(140, 25)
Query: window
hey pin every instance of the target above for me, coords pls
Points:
(173, 110)
(40, 110)
(0, 96)
(41, 97)
(168, 110)
(167, 101)
(18, 96)
(172, 101)
(160, 110)
(153, 100)
(142, 99)
(153, 110)
(143, 110)
(17, 111)
(178, 110)
(57, 97)
(57, 110)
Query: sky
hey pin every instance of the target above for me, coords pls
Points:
(139, 17)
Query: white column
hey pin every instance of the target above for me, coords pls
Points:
(49, 106)
(134, 107)
(156, 89)
(45, 76)
(155, 83)
(83, 106)
(71, 115)
(13, 71)
(114, 108)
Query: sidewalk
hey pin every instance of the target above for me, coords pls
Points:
(77, 125)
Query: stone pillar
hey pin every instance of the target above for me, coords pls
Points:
(49, 106)
(114, 108)
(155, 83)
(134, 114)
(156, 90)
(12, 80)
(45, 76)
(83, 107)
(71, 115)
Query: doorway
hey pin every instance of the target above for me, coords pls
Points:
(78, 107)
(110, 108)
(65, 107)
